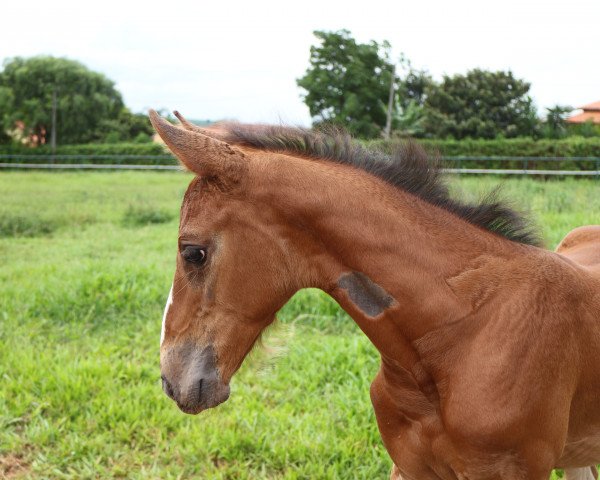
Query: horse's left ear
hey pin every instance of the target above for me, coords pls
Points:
(185, 123)
(206, 156)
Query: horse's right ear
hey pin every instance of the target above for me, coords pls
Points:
(206, 156)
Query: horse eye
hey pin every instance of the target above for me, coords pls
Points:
(194, 254)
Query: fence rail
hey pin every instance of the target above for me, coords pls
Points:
(512, 171)
(585, 166)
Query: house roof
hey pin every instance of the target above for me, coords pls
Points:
(595, 106)
(586, 116)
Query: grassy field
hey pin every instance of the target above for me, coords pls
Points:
(87, 261)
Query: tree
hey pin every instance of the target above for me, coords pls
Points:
(85, 99)
(413, 87)
(6, 102)
(555, 125)
(480, 104)
(126, 127)
(348, 83)
(410, 121)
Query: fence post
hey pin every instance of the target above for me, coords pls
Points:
(53, 131)
(390, 108)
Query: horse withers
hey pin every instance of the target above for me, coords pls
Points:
(489, 343)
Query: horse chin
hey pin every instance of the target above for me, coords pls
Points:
(219, 397)
(190, 410)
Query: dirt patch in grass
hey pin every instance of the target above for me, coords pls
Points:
(12, 466)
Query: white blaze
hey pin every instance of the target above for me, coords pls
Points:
(169, 303)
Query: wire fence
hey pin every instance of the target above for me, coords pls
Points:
(472, 165)
(542, 166)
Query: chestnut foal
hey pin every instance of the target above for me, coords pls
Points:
(489, 344)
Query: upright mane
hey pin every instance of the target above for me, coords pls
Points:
(409, 168)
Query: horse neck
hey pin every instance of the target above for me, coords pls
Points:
(397, 248)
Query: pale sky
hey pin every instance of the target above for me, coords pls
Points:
(240, 60)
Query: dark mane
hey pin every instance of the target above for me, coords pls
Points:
(409, 168)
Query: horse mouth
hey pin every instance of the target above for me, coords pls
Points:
(191, 410)
(205, 403)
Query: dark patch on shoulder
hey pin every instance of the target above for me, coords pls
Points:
(369, 297)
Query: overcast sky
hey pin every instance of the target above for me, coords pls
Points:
(234, 59)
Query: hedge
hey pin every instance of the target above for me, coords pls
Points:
(118, 153)
(513, 147)
(156, 154)
(89, 149)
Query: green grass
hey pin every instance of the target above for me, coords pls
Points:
(87, 260)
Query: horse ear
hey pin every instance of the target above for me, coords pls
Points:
(213, 132)
(206, 156)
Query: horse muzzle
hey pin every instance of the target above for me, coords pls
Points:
(191, 378)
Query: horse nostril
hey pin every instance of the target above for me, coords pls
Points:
(167, 387)
(200, 388)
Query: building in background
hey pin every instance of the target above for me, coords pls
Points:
(590, 113)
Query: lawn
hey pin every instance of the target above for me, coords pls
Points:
(87, 261)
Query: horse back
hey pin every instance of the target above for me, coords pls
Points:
(582, 246)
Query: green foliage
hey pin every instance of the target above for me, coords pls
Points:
(6, 104)
(498, 152)
(586, 129)
(12, 225)
(410, 121)
(142, 138)
(413, 86)
(126, 127)
(85, 98)
(348, 83)
(80, 323)
(480, 104)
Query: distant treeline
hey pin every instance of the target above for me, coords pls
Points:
(362, 88)
(45, 98)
